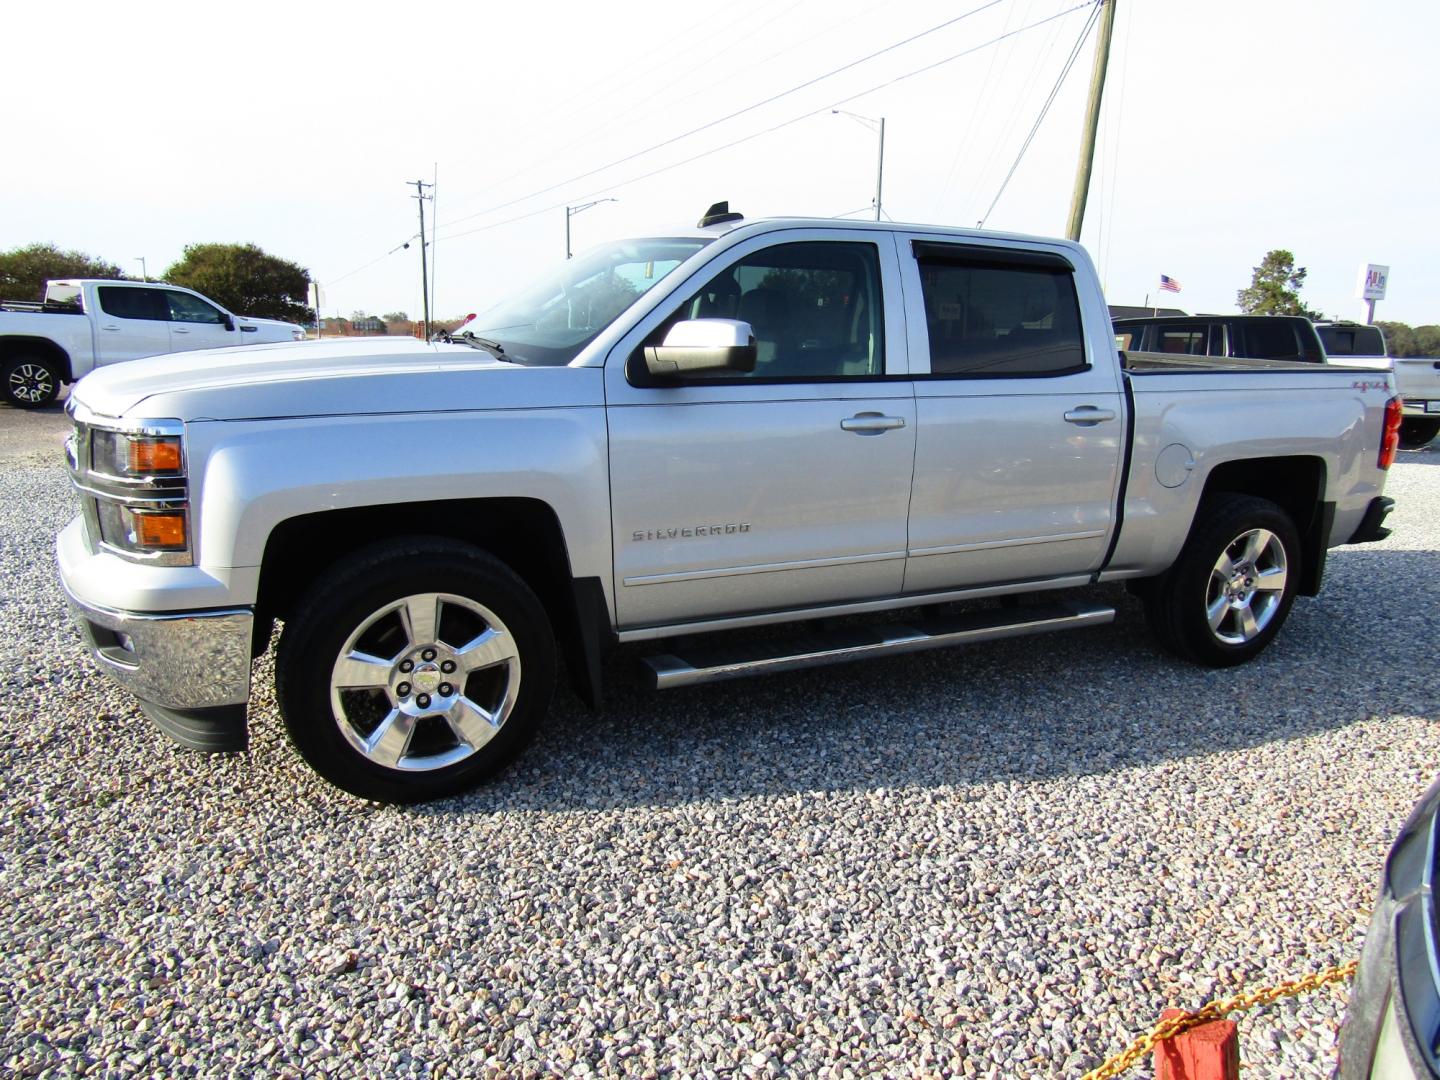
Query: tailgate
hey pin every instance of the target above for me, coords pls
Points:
(1418, 382)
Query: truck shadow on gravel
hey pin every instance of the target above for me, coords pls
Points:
(1030, 709)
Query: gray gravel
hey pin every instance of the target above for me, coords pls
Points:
(997, 862)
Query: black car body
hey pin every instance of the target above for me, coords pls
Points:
(1262, 337)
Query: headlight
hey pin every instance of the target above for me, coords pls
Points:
(133, 487)
(298, 334)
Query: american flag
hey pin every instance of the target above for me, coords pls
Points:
(1169, 284)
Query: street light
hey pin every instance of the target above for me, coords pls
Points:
(141, 260)
(571, 211)
(878, 126)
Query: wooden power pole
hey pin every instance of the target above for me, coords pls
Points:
(1092, 119)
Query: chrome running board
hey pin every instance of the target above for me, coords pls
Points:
(700, 662)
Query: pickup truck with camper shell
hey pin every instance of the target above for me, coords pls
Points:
(723, 428)
(1291, 337)
(82, 324)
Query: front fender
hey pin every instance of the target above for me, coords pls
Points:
(257, 474)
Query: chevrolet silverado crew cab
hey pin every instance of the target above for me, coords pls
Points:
(714, 429)
(82, 324)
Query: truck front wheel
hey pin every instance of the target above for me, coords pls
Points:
(29, 382)
(414, 669)
(1232, 586)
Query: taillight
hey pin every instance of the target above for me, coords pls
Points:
(1390, 434)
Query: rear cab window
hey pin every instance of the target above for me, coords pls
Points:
(64, 297)
(1352, 340)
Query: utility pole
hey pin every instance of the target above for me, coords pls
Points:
(1092, 119)
(144, 276)
(420, 197)
(879, 126)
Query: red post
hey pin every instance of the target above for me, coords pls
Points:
(1208, 1052)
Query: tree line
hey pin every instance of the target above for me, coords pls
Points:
(242, 277)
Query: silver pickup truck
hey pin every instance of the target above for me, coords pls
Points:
(722, 428)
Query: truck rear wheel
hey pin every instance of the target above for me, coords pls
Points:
(1416, 431)
(414, 669)
(1233, 584)
(28, 382)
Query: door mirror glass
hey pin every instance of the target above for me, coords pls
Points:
(698, 346)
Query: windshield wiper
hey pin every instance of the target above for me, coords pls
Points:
(494, 348)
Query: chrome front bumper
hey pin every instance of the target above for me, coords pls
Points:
(175, 660)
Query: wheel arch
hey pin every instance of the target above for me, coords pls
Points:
(1297, 486)
(14, 344)
(523, 533)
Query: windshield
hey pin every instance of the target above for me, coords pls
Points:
(547, 324)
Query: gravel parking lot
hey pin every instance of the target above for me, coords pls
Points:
(995, 862)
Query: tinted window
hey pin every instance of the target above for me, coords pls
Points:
(63, 296)
(1352, 340)
(994, 319)
(1190, 342)
(126, 303)
(1266, 340)
(187, 308)
(814, 308)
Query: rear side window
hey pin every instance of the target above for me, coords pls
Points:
(126, 303)
(1262, 339)
(997, 314)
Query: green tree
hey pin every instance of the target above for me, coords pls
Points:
(24, 270)
(395, 316)
(1275, 288)
(1405, 341)
(246, 280)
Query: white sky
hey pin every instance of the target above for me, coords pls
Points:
(1229, 129)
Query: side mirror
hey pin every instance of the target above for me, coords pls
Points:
(228, 321)
(699, 346)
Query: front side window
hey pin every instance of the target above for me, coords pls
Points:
(128, 303)
(191, 309)
(997, 315)
(814, 308)
(550, 322)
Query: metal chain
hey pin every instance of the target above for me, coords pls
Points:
(1176, 1025)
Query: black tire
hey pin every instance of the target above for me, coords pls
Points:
(354, 604)
(1416, 431)
(1179, 605)
(29, 382)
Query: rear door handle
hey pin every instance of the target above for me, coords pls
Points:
(178, 330)
(1088, 415)
(872, 423)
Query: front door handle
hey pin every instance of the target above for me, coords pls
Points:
(178, 330)
(1088, 415)
(109, 326)
(872, 423)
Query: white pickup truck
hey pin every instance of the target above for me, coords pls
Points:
(83, 324)
(1417, 380)
(722, 428)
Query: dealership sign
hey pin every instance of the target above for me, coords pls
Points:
(1372, 282)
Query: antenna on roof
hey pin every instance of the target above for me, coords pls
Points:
(718, 214)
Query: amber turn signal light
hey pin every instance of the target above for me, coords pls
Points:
(154, 456)
(160, 531)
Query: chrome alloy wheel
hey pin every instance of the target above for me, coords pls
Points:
(1246, 586)
(425, 682)
(34, 383)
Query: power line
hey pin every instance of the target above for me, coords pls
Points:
(776, 127)
(731, 116)
(1044, 109)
